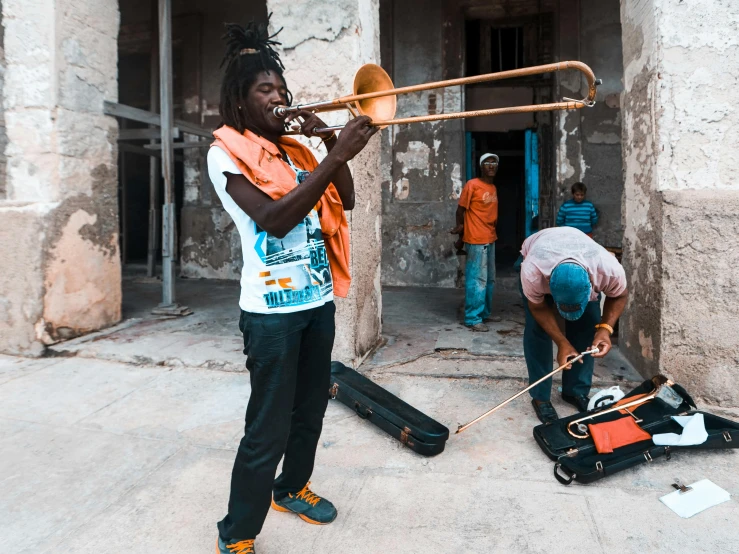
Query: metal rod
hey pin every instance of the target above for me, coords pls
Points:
(144, 116)
(154, 174)
(570, 105)
(167, 117)
(124, 204)
(531, 386)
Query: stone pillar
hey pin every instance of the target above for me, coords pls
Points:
(323, 44)
(59, 219)
(681, 163)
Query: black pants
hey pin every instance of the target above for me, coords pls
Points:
(289, 362)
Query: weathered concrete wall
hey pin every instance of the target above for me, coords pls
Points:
(209, 242)
(324, 44)
(427, 160)
(641, 324)
(600, 48)
(700, 342)
(3, 131)
(589, 140)
(61, 171)
(681, 64)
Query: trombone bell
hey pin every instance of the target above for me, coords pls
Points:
(372, 78)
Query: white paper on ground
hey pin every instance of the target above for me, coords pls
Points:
(705, 494)
(694, 432)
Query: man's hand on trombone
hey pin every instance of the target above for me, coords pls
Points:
(308, 123)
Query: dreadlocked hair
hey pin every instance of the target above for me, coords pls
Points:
(249, 51)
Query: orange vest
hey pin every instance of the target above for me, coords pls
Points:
(261, 163)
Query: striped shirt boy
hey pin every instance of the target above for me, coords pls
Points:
(580, 215)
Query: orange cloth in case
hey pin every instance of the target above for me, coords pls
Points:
(615, 434)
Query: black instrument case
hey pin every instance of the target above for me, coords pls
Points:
(397, 418)
(577, 459)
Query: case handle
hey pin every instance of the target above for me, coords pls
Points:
(366, 415)
(567, 472)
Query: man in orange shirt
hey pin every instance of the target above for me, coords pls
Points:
(477, 215)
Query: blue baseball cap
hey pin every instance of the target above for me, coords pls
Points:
(570, 287)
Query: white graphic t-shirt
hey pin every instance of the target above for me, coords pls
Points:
(279, 275)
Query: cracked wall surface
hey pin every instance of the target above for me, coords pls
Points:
(324, 44)
(425, 176)
(3, 130)
(61, 186)
(209, 242)
(681, 190)
(589, 140)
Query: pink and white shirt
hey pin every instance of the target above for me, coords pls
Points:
(546, 249)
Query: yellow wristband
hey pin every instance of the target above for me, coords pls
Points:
(333, 136)
(605, 326)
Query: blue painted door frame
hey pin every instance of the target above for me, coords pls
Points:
(469, 148)
(532, 179)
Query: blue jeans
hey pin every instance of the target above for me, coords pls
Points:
(479, 282)
(538, 351)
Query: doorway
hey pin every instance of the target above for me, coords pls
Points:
(511, 184)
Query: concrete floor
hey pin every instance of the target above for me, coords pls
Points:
(134, 454)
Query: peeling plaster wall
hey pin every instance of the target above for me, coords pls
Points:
(426, 175)
(428, 160)
(641, 324)
(209, 242)
(324, 44)
(3, 131)
(61, 203)
(589, 140)
(682, 192)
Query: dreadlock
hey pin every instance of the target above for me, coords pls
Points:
(249, 51)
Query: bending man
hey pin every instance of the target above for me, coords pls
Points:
(564, 271)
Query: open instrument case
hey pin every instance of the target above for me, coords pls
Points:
(577, 458)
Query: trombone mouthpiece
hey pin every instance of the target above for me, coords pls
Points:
(280, 111)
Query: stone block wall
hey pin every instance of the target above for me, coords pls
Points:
(700, 336)
(681, 64)
(61, 186)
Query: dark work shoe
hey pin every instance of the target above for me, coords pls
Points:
(479, 327)
(579, 402)
(544, 411)
(308, 506)
(234, 547)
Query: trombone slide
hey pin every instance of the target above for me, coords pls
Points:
(531, 386)
(375, 96)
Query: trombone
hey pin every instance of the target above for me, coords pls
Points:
(531, 386)
(663, 391)
(375, 96)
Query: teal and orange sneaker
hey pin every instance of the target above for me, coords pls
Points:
(234, 547)
(308, 506)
